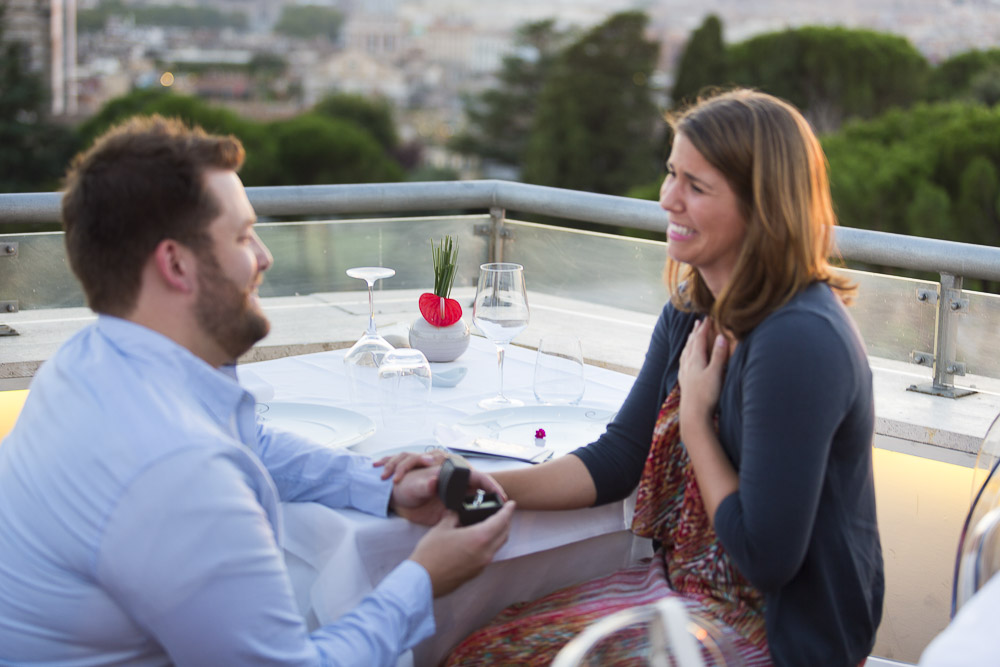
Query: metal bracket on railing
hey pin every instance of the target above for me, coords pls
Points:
(925, 295)
(497, 232)
(8, 249)
(950, 304)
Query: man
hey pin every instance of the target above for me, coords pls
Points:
(138, 496)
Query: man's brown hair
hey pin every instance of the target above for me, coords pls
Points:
(140, 183)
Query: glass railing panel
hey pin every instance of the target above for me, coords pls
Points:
(892, 321)
(308, 257)
(978, 332)
(313, 256)
(626, 272)
(590, 266)
(39, 276)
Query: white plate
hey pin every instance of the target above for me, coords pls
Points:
(566, 427)
(327, 425)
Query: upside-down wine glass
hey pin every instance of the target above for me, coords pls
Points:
(500, 312)
(363, 359)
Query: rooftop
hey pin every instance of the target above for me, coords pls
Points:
(607, 290)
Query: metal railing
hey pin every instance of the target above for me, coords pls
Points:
(952, 261)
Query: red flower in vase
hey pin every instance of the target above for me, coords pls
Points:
(436, 307)
(439, 311)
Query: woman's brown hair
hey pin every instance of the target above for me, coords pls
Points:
(771, 159)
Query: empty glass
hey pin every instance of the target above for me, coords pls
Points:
(500, 311)
(559, 370)
(362, 361)
(404, 388)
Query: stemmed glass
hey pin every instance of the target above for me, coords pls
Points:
(500, 312)
(364, 358)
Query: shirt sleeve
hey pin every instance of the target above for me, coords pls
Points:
(616, 460)
(305, 471)
(796, 388)
(189, 553)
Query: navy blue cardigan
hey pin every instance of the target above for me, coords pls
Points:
(796, 419)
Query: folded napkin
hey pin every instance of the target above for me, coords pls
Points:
(468, 444)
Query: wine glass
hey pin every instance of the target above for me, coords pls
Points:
(404, 380)
(500, 312)
(559, 370)
(364, 358)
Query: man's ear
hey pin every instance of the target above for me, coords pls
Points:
(175, 265)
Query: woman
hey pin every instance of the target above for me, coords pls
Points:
(765, 515)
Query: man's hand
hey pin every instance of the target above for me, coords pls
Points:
(452, 555)
(400, 464)
(415, 497)
(415, 478)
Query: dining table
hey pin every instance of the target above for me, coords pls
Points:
(337, 556)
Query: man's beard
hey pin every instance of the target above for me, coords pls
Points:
(225, 311)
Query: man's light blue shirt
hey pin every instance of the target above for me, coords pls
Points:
(139, 520)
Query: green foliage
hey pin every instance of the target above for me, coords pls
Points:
(953, 78)
(976, 203)
(444, 256)
(308, 21)
(832, 74)
(928, 171)
(259, 166)
(182, 16)
(596, 118)
(703, 63)
(314, 149)
(305, 150)
(500, 120)
(375, 116)
(33, 150)
(985, 85)
(427, 173)
(650, 191)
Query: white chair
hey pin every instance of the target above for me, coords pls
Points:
(675, 637)
(978, 556)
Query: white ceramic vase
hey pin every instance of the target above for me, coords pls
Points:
(439, 343)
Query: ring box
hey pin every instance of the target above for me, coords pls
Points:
(453, 489)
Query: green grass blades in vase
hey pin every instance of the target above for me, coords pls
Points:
(439, 332)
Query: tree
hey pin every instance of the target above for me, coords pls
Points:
(985, 85)
(373, 115)
(832, 74)
(976, 203)
(500, 120)
(595, 125)
(307, 21)
(703, 62)
(314, 149)
(34, 150)
(929, 171)
(259, 169)
(953, 78)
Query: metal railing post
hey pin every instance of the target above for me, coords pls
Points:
(951, 303)
(8, 251)
(498, 233)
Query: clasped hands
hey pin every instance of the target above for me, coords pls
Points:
(451, 554)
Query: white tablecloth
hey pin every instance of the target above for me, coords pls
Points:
(336, 557)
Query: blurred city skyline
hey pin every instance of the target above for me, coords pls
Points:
(275, 60)
(401, 50)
